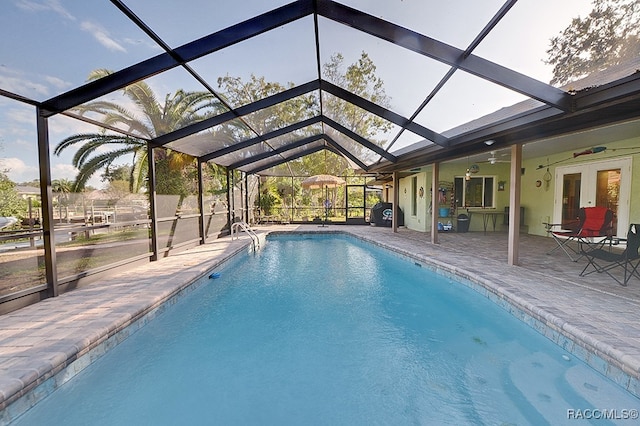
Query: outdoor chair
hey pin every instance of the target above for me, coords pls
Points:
(603, 260)
(593, 226)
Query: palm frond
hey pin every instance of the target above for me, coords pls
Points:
(85, 152)
(138, 172)
(89, 168)
(87, 137)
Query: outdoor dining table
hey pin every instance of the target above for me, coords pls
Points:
(488, 216)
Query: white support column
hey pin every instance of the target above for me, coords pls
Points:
(514, 203)
(435, 178)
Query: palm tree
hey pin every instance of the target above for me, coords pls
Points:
(62, 188)
(178, 110)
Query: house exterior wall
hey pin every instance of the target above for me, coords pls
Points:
(420, 221)
(448, 172)
(538, 201)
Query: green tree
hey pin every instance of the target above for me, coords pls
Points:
(33, 183)
(359, 78)
(156, 118)
(176, 180)
(62, 188)
(117, 173)
(269, 198)
(237, 93)
(607, 37)
(11, 204)
(215, 179)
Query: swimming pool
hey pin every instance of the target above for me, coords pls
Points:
(328, 330)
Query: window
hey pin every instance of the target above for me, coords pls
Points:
(479, 191)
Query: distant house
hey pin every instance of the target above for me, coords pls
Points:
(28, 191)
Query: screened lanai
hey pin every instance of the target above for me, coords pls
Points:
(154, 125)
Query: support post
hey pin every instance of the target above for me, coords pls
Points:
(396, 201)
(229, 200)
(246, 197)
(514, 204)
(153, 209)
(260, 212)
(48, 231)
(435, 178)
(326, 205)
(364, 204)
(201, 206)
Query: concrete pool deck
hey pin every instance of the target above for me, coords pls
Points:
(593, 317)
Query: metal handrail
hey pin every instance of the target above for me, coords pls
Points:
(242, 225)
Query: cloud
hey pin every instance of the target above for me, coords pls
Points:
(102, 35)
(98, 32)
(17, 125)
(18, 170)
(61, 127)
(67, 171)
(63, 171)
(19, 84)
(22, 116)
(45, 6)
(147, 43)
(29, 84)
(58, 83)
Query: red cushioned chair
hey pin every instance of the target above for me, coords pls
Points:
(593, 226)
(605, 260)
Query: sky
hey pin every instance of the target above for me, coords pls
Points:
(50, 46)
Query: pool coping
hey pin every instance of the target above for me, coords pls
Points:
(29, 384)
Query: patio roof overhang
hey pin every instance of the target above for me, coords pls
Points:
(615, 103)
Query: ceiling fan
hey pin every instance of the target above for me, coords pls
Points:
(493, 158)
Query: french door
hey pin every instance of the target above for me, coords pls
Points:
(602, 183)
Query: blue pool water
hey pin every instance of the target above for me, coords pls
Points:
(328, 330)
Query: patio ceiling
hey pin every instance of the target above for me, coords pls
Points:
(448, 93)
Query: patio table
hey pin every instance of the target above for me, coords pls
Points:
(491, 216)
